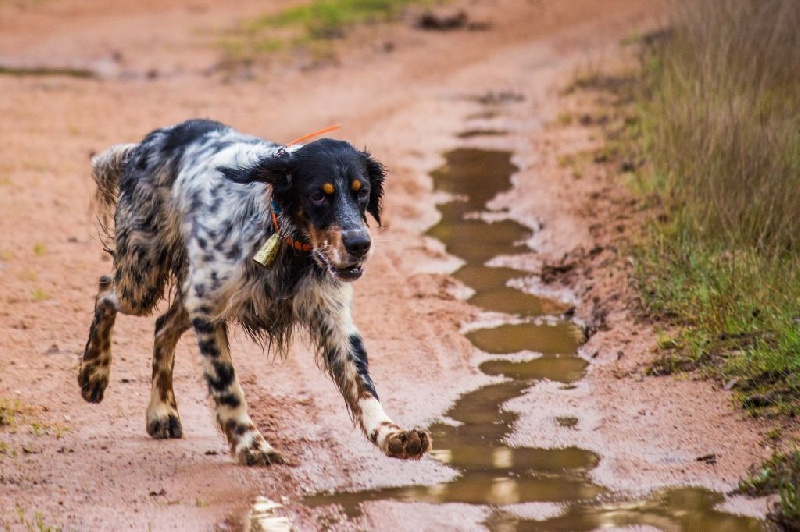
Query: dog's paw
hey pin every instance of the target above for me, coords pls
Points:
(93, 382)
(165, 425)
(260, 457)
(407, 445)
(253, 450)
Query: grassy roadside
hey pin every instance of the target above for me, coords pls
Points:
(311, 27)
(720, 131)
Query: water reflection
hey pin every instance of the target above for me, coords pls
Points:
(493, 293)
(674, 510)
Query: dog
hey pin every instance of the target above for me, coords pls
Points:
(193, 205)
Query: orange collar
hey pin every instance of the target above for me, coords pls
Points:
(294, 244)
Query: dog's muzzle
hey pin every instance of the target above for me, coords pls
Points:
(355, 247)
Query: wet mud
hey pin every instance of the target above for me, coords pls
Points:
(472, 437)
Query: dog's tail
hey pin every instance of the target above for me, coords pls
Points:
(107, 168)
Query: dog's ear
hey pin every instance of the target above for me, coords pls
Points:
(376, 174)
(275, 170)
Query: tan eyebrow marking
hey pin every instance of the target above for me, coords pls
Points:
(355, 185)
(328, 188)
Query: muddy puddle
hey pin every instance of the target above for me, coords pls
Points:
(534, 344)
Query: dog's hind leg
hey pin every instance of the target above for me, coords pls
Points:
(162, 412)
(246, 442)
(326, 311)
(141, 269)
(96, 361)
(114, 296)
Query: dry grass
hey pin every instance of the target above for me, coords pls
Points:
(721, 131)
(725, 138)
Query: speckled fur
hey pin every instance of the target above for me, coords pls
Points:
(191, 206)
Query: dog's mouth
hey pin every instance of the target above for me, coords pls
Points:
(346, 273)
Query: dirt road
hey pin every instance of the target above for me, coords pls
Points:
(404, 94)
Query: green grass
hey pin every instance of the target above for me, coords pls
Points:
(737, 314)
(778, 474)
(324, 19)
(11, 411)
(38, 523)
(720, 267)
(39, 294)
(311, 27)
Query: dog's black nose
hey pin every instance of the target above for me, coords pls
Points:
(356, 243)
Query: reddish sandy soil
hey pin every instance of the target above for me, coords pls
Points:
(80, 466)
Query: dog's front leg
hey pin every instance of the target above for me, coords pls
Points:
(326, 312)
(246, 442)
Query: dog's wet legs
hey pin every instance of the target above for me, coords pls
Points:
(162, 412)
(347, 364)
(95, 365)
(246, 442)
(345, 359)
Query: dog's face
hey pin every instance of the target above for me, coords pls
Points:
(327, 187)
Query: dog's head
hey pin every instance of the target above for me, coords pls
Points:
(326, 188)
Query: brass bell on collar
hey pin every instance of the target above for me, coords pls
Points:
(269, 251)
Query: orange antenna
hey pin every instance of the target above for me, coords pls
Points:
(315, 134)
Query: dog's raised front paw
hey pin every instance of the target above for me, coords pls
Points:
(407, 445)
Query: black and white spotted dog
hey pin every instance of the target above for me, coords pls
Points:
(194, 204)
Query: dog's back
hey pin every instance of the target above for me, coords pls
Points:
(153, 192)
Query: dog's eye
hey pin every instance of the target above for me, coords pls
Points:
(317, 197)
